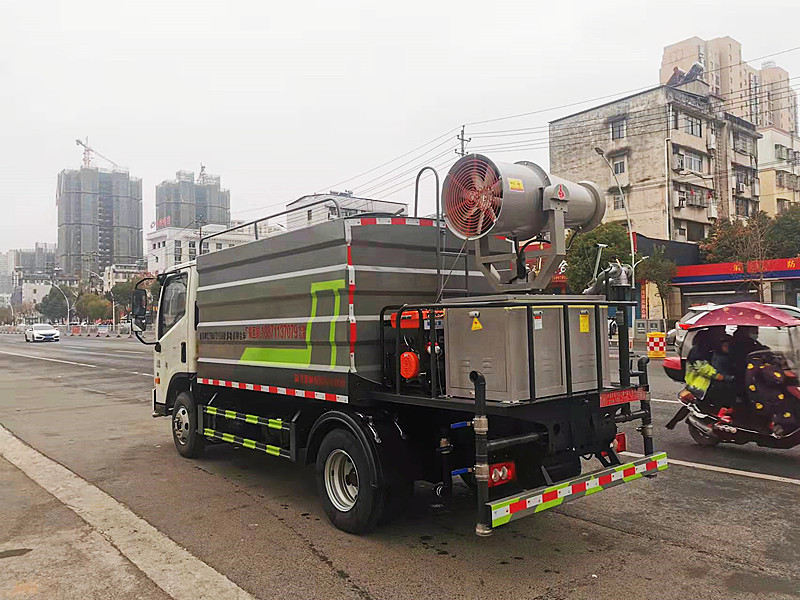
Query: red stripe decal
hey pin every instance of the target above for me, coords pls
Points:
(548, 496)
(311, 395)
(229, 384)
(398, 221)
(352, 338)
(604, 479)
(290, 392)
(518, 506)
(351, 290)
(330, 397)
(242, 386)
(256, 387)
(349, 255)
(369, 221)
(629, 472)
(651, 465)
(427, 222)
(578, 488)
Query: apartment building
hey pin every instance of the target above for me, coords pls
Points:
(681, 159)
(779, 169)
(322, 207)
(172, 246)
(187, 201)
(761, 96)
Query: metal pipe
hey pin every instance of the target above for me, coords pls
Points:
(632, 416)
(416, 190)
(480, 425)
(272, 216)
(624, 350)
(647, 419)
(515, 440)
(531, 354)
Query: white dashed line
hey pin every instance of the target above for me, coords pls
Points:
(172, 568)
(727, 471)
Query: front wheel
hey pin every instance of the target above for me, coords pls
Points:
(703, 438)
(343, 483)
(184, 427)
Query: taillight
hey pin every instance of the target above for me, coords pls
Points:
(620, 443)
(684, 326)
(500, 473)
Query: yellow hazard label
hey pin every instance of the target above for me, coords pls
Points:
(516, 185)
(584, 323)
(476, 325)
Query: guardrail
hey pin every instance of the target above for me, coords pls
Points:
(101, 331)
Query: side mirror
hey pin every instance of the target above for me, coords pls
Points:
(139, 303)
(138, 324)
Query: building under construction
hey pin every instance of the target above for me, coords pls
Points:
(99, 219)
(186, 202)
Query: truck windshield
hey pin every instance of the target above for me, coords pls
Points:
(173, 303)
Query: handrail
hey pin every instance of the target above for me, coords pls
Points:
(279, 214)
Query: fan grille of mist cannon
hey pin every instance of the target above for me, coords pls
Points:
(481, 196)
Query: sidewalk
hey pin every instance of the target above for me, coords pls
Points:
(47, 552)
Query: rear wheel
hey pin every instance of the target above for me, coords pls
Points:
(343, 483)
(701, 437)
(184, 427)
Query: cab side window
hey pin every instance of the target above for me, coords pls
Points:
(173, 303)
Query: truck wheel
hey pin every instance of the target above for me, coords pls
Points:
(349, 500)
(184, 427)
(703, 438)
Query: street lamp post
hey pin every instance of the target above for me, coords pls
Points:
(627, 212)
(55, 285)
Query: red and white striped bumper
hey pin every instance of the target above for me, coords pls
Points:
(534, 501)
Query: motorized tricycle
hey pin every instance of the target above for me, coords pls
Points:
(760, 401)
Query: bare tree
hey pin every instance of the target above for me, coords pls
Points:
(753, 247)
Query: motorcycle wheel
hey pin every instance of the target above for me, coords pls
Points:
(702, 438)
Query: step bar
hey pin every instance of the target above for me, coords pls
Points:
(203, 428)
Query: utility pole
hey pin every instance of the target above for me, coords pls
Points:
(463, 141)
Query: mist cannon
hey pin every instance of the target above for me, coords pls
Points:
(522, 202)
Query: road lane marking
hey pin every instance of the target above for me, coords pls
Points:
(727, 471)
(66, 362)
(172, 568)
(665, 401)
(137, 373)
(129, 352)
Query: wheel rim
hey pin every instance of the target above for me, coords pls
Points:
(341, 480)
(180, 426)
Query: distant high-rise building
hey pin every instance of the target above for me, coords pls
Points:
(189, 202)
(761, 96)
(6, 270)
(319, 210)
(99, 220)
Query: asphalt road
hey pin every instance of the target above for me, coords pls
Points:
(689, 533)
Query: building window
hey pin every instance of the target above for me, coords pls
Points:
(619, 202)
(693, 126)
(693, 161)
(204, 248)
(231, 245)
(783, 205)
(619, 166)
(192, 244)
(219, 245)
(742, 207)
(695, 232)
(310, 214)
(177, 244)
(178, 256)
(618, 129)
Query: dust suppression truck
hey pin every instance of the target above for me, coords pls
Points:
(384, 350)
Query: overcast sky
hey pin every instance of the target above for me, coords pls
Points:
(284, 99)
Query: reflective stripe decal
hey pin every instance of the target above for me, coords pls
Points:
(534, 501)
(273, 389)
(252, 419)
(246, 443)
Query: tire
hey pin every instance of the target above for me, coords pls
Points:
(184, 427)
(702, 438)
(343, 476)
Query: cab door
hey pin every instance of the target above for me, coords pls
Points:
(173, 325)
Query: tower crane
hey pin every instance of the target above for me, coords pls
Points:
(88, 151)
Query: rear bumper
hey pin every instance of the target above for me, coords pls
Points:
(529, 502)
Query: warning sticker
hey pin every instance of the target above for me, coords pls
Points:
(584, 323)
(537, 320)
(515, 185)
(476, 325)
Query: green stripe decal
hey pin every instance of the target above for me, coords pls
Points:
(230, 414)
(274, 450)
(227, 437)
(251, 419)
(212, 410)
(275, 424)
(251, 444)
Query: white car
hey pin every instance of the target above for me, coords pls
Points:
(41, 332)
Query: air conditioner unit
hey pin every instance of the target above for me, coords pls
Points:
(677, 201)
(739, 187)
(712, 212)
(712, 142)
(677, 162)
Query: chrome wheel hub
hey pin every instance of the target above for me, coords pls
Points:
(341, 480)
(180, 426)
